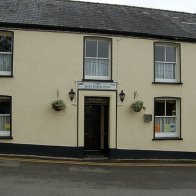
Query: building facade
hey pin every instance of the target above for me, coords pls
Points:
(107, 70)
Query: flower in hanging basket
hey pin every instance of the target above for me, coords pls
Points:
(58, 105)
(137, 106)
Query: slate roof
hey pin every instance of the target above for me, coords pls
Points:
(98, 18)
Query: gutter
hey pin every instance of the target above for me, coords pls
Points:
(95, 31)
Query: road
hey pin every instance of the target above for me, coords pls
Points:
(19, 178)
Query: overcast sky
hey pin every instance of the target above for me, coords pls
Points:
(177, 5)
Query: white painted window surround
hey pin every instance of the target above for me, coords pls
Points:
(5, 53)
(167, 118)
(97, 62)
(167, 64)
(5, 116)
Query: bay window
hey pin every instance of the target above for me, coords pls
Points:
(97, 59)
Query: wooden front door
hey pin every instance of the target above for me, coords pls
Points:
(92, 127)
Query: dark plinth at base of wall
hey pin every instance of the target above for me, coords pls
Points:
(78, 152)
(41, 150)
(150, 154)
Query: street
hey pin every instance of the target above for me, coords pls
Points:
(20, 178)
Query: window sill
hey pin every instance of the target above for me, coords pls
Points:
(6, 137)
(167, 138)
(173, 83)
(6, 76)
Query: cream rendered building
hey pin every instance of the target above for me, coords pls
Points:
(110, 56)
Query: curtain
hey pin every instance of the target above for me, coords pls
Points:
(96, 67)
(165, 70)
(159, 70)
(4, 122)
(5, 62)
(166, 124)
(169, 70)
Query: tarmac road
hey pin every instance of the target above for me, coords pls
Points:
(20, 178)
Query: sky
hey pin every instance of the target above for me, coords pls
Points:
(176, 5)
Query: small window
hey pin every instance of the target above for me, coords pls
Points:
(167, 118)
(5, 116)
(97, 62)
(167, 64)
(6, 41)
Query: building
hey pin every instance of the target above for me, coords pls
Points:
(103, 53)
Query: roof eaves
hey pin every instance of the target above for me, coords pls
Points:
(96, 31)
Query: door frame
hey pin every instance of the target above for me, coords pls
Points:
(103, 118)
(112, 124)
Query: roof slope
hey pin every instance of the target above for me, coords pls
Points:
(96, 17)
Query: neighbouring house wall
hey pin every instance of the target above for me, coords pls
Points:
(45, 61)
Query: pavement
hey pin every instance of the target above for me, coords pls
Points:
(101, 162)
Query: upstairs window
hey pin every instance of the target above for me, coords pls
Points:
(97, 62)
(167, 118)
(5, 53)
(5, 116)
(167, 65)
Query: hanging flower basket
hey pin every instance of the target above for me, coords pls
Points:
(137, 106)
(58, 105)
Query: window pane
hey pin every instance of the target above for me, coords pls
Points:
(171, 108)
(171, 54)
(5, 62)
(91, 48)
(170, 124)
(159, 125)
(103, 49)
(159, 72)
(96, 67)
(4, 106)
(159, 53)
(165, 124)
(170, 71)
(159, 108)
(5, 43)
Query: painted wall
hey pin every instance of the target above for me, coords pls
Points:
(45, 61)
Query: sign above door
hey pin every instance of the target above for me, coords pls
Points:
(97, 85)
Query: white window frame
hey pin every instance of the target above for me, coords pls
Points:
(177, 63)
(7, 73)
(93, 77)
(175, 134)
(4, 132)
